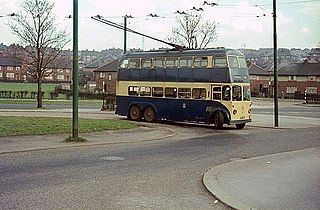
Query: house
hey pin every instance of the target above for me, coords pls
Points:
(59, 71)
(12, 70)
(106, 76)
(294, 80)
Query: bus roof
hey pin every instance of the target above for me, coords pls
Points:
(176, 53)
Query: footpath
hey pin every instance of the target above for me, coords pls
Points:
(281, 181)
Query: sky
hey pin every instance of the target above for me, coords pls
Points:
(242, 23)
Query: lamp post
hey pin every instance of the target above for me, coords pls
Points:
(75, 72)
(275, 65)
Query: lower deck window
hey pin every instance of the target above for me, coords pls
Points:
(199, 93)
(133, 90)
(171, 92)
(157, 92)
(184, 92)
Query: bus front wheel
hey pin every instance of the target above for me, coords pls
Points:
(218, 120)
(134, 113)
(149, 114)
(240, 126)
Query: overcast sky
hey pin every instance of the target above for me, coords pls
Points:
(242, 23)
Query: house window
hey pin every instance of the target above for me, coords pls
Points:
(60, 77)
(109, 77)
(17, 68)
(312, 78)
(49, 77)
(67, 70)
(102, 75)
(0, 67)
(9, 68)
(312, 90)
(10, 75)
(0, 73)
(291, 89)
(292, 78)
(60, 70)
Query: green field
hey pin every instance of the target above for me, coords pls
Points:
(30, 87)
(22, 126)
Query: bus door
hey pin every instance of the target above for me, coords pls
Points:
(238, 108)
(184, 104)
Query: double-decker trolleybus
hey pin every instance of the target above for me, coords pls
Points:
(205, 86)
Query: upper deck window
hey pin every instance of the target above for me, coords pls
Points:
(158, 62)
(233, 62)
(171, 62)
(200, 62)
(219, 62)
(124, 64)
(186, 62)
(146, 63)
(243, 62)
(134, 63)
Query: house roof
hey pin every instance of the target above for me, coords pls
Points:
(301, 69)
(257, 70)
(109, 67)
(5, 61)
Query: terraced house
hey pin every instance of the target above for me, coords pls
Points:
(12, 70)
(294, 80)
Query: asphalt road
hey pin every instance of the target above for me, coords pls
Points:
(162, 174)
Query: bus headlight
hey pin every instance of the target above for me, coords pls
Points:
(235, 112)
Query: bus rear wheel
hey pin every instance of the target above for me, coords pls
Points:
(240, 126)
(218, 120)
(149, 114)
(134, 113)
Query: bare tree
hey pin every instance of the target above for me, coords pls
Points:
(40, 37)
(193, 32)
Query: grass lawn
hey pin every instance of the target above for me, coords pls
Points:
(25, 126)
(31, 87)
(50, 102)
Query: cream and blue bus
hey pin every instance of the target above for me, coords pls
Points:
(201, 86)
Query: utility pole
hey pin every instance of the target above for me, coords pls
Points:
(75, 72)
(275, 65)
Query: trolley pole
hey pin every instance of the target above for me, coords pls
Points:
(75, 72)
(125, 35)
(275, 65)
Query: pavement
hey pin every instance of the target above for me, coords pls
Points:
(278, 181)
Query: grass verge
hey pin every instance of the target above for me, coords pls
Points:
(26, 126)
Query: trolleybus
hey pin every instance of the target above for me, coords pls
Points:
(204, 86)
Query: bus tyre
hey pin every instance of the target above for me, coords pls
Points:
(240, 126)
(218, 120)
(134, 113)
(149, 114)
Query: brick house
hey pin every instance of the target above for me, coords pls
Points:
(106, 76)
(61, 71)
(12, 70)
(293, 80)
